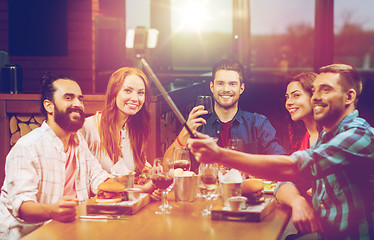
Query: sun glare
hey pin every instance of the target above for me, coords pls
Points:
(193, 16)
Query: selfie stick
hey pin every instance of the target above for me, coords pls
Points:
(166, 96)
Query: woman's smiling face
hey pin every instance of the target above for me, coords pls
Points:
(131, 97)
(298, 101)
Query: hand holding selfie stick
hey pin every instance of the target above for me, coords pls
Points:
(166, 96)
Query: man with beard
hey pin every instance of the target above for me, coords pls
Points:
(228, 121)
(339, 166)
(51, 169)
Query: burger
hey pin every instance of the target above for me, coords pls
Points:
(110, 192)
(253, 191)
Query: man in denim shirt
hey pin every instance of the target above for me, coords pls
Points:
(228, 121)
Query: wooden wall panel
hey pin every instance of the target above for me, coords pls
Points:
(79, 61)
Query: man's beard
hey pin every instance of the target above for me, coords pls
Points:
(227, 106)
(62, 118)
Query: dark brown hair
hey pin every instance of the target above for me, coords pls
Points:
(48, 89)
(349, 77)
(297, 130)
(305, 79)
(230, 65)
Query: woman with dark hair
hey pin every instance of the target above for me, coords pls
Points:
(303, 129)
(117, 136)
(303, 132)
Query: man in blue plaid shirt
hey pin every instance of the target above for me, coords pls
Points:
(339, 167)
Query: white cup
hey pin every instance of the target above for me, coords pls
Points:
(237, 203)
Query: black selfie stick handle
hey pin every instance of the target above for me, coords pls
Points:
(166, 96)
(192, 135)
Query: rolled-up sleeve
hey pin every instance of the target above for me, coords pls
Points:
(23, 180)
(303, 161)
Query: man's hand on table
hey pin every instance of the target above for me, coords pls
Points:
(304, 217)
(64, 210)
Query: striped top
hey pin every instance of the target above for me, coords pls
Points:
(341, 167)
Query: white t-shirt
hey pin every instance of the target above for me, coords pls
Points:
(90, 131)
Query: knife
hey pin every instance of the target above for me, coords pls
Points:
(103, 217)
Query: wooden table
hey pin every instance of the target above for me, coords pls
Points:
(185, 222)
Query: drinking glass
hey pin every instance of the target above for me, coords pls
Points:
(206, 101)
(181, 157)
(235, 144)
(163, 178)
(208, 184)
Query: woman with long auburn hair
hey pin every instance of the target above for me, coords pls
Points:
(117, 136)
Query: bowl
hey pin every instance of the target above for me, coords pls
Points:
(126, 179)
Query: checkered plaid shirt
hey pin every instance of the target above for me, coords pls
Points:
(341, 167)
(35, 171)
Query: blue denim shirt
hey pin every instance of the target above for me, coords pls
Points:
(255, 130)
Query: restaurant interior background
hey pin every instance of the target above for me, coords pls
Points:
(85, 39)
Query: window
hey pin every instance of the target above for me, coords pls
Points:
(354, 33)
(201, 33)
(138, 14)
(282, 34)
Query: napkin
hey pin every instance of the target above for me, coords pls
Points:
(232, 176)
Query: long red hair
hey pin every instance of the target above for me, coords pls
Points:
(138, 124)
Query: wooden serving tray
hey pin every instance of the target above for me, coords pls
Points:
(253, 213)
(124, 207)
